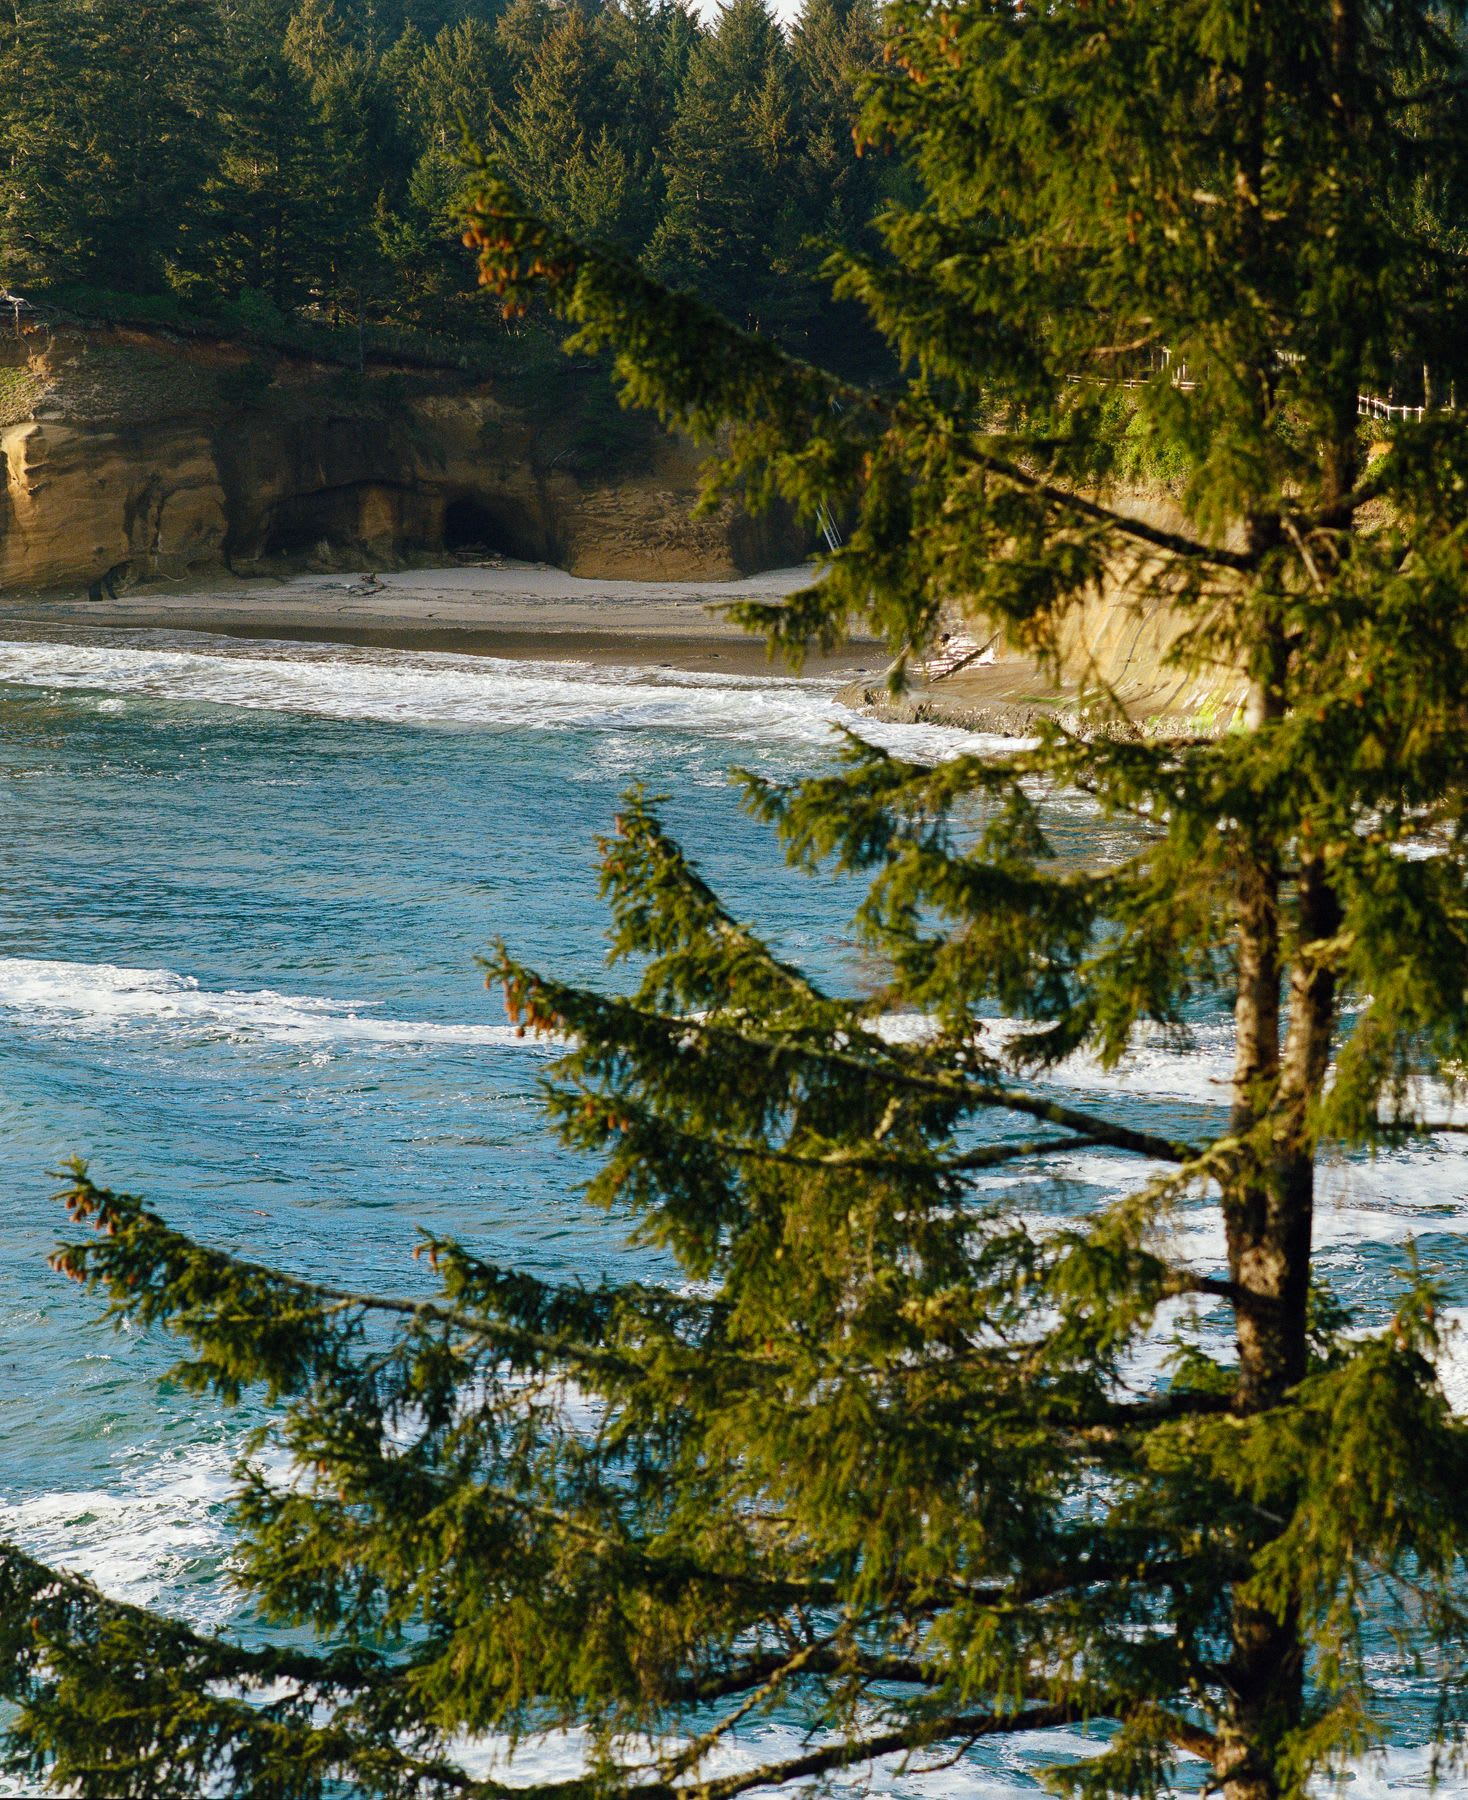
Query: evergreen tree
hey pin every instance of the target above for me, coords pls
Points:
(1432, 349)
(449, 85)
(679, 39)
(582, 134)
(361, 153)
(558, 119)
(730, 157)
(834, 45)
(271, 173)
(439, 90)
(885, 1458)
(523, 27)
(307, 152)
(110, 140)
(649, 42)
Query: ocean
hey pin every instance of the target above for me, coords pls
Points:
(242, 888)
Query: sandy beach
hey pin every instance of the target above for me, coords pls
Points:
(507, 609)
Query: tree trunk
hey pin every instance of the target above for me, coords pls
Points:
(1269, 1206)
(1266, 1665)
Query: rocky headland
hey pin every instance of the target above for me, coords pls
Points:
(134, 455)
(154, 477)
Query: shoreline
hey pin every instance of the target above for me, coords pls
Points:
(524, 611)
(534, 612)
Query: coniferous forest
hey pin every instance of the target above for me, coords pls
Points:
(972, 1378)
(260, 161)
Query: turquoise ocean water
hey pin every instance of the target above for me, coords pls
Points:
(241, 891)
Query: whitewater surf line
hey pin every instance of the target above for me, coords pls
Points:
(101, 997)
(433, 688)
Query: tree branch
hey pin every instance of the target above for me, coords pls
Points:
(1432, 90)
(795, 1663)
(114, 1212)
(520, 252)
(966, 1728)
(820, 1661)
(1177, 543)
(987, 1095)
(969, 1727)
(1422, 1127)
(985, 1156)
(48, 1589)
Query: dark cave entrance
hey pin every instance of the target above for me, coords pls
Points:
(298, 529)
(381, 519)
(469, 525)
(303, 523)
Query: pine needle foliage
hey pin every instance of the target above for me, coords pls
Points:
(879, 1465)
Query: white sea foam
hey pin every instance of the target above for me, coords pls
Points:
(1152, 1069)
(562, 1756)
(433, 688)
(101, 997)
(1156, 1064)
(142, 1539)
(1385, 1200)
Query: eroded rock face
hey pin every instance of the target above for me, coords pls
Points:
(1118, 666)
(83, 504)
(144, 456)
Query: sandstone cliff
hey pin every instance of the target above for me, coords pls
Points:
(133, 454)
(1116, 669)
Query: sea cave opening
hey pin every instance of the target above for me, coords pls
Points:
(301, 523)
(470, 525)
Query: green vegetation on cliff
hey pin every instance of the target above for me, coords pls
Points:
(271, 164)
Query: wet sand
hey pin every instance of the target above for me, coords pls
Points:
(509, 609)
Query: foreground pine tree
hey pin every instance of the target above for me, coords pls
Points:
(886, 1464)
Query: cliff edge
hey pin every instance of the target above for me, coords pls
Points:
(137, 454)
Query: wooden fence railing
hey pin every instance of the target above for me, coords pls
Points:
(1371, 406)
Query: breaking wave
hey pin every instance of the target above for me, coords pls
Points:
(433, 688)
(100, 997)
